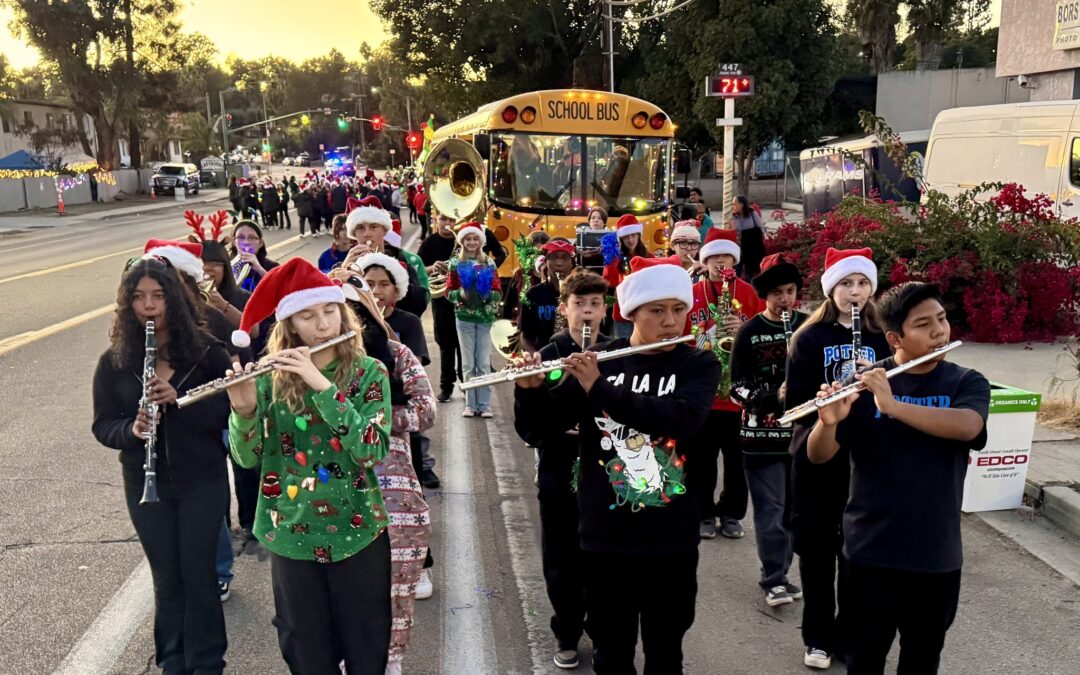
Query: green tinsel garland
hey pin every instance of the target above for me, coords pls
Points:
(527, 253)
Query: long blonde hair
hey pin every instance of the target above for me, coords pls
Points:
(290, 388)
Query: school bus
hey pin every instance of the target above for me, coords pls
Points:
(547, 157)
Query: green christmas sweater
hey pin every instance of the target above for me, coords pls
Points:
(417, 264)
(473, 286)
(319, 498)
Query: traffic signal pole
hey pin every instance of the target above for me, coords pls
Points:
(224, 132)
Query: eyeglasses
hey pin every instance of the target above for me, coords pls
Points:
(687, 244)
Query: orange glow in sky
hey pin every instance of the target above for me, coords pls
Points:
(290, 29)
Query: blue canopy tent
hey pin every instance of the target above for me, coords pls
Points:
(20, 159)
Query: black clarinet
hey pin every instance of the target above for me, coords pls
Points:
(586, 337)
(856, 338)
(150, 494)
(785, 318)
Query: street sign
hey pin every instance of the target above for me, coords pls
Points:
(729, 69)
(729, 86)
(393, 152)
(322, 147)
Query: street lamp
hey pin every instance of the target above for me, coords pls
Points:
(263, 86)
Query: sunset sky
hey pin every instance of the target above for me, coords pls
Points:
(254, 28)
(289, 28)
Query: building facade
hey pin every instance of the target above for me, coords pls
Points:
(1039, 47)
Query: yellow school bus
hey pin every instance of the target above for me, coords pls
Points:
(547, 157)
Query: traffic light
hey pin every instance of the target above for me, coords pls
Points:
(377, 123)
(342, 122)
(266, 147)
(305, 119)
(412, 140)
(228, 120)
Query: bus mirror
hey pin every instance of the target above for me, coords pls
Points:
(683, 160)
(682, 192)
(482, 143)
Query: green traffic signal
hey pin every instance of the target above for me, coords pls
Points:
(342, 122)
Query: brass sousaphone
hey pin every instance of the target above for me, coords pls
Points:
(454, 182)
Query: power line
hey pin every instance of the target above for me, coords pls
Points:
(639, 19)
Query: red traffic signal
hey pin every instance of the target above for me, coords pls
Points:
(413, 140)
(377, 123)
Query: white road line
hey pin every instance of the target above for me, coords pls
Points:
(467, 645)
(524, 560)
(106, 639)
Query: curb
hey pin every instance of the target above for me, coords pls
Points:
(1059, 503)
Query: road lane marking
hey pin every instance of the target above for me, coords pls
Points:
(23, 339)
(105, 641)
(71, 265)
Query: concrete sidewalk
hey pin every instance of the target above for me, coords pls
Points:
(131, 205)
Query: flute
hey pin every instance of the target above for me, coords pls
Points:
(813, 405)
(223, 383)
(517, 373)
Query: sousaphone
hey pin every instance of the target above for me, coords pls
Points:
(454, 182)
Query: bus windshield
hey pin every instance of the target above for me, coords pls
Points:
(558, 173)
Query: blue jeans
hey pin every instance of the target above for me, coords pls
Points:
(475, 341)
(224, 554)
(769, 480)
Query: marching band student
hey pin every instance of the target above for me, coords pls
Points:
(511, 303)
(719, 434)
(908, 438)
(339, 247)
(410, 521)
(435, 252)
(582, 302)
(821, 352)
(634, 415)
(473, 287)
(368, 224)
(758, 368)
(226, 297)
(686, 243)
(248, 245)
(537, 319)
(179, 535)
(388, 283)
(316, 425)
(628, 235)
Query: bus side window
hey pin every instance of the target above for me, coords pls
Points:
(1074, 163)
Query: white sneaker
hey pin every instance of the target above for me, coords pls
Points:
(393, 667)
(817, 658)
(424, 588)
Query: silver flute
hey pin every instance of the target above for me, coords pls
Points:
(150, 493)
(222, 383)
(814, 405)
(518, 372)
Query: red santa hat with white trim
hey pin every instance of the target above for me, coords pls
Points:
(393, 237)
(368, 210)
(184, 255)
(287, 289)
(628, 225)
(840, 263)
(719, 242)
(653, 279)
(394, 267)
(470, 228)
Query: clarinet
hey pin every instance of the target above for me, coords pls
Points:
(150, 494)
(586, 337)
(785, 318)
(856, 338)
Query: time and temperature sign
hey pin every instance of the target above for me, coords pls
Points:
(729, 81)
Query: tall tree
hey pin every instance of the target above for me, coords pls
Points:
(875, 23)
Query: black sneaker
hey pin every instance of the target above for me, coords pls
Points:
(732, 529)
(566, 659)
(223, 590)
(428, 479)
(817, 658)
(444, 395)
(707, 530)
(794, 591)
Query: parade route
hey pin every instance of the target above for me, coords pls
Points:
(75, 593)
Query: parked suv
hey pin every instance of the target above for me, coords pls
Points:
(170, 176)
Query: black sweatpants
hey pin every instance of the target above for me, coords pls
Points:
(819, 493)
(329, 612)
(920, 605)
(284, 218)
(616, 604)
(718, 435)
(442, 311)
(179, 536)
(560, 546)
(246, 482)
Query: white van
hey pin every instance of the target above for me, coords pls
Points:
(1034, 144)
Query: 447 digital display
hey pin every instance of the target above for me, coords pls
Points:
(731, 85)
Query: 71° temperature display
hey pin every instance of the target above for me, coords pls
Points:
(731, 85)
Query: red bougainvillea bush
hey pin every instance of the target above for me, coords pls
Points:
(1007, 265)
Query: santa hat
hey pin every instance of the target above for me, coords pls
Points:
(718, 242)
(540, 260)
(287, 289)
(686, 229)
(393, 237)
(839, 264)
(184, 255)
(653, 279)
(393, 267)
(558, 246)
(627, 225)
(368, 210)
(470, 228)
(776, 270)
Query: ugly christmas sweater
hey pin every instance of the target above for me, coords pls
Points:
(758, 368)
(474, 288)
(319, 497)
(633, 425)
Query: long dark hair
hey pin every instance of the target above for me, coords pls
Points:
(744, 206)
(214, 251)
(234, 251)
(128, 335)
(640, 251)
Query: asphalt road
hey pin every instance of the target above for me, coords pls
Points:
(74, 591)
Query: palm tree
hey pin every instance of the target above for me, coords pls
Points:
(875, 23)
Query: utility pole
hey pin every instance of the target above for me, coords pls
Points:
(224, 123)
(610, 46)
(208, 107)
